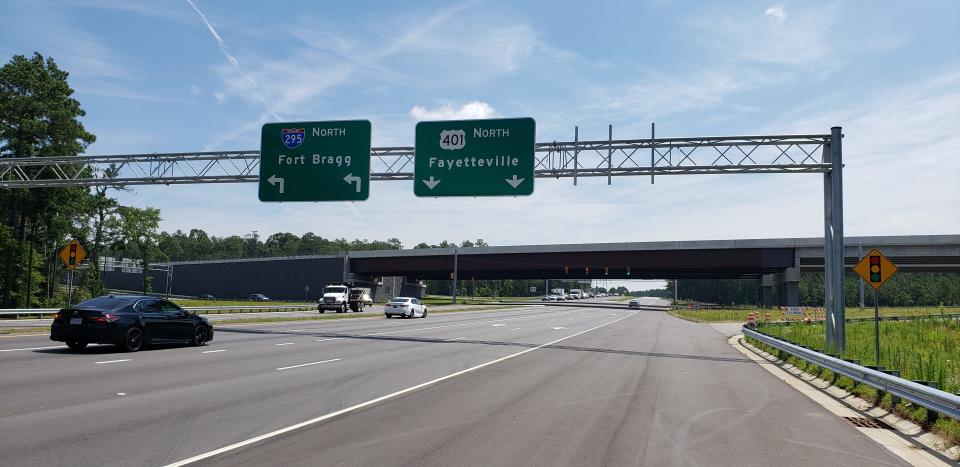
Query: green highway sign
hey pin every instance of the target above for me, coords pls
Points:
(315, 161)
(474, 157)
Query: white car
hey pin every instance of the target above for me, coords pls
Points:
(635, 303)
(406, 307)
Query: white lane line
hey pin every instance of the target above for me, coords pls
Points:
(285, 343)
(294, 330)
(462, 324)
(370, 402)
(512, 329)
(501, 324)
(455, 339)
(329, 339)
(33, 348)
(559, 328)
(214, 351)
(306, 364)
(113, 361)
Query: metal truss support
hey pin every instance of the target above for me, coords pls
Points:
(574, 159)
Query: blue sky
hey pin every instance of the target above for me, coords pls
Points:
(173, 76)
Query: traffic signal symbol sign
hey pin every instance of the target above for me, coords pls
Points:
(72, 254)
(875, 269)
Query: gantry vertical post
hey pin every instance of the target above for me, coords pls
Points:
(830, 318)
(839, 327)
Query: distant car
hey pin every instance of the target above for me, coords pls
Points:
(129, 322)
(258, 297)
(207, 296)
(406, 307)
(634, 303)
(545, 298)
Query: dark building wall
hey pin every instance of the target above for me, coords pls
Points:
(277, 278)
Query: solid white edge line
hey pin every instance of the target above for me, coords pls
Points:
(33, 348)
(113, 361)
(328, 339)
(307, 364)
(370, 402)
(454, 339)
(214, 351)
(285, 343)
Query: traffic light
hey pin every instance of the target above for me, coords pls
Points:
(566, 269)
(875, 268)
(451, 275)
(588, 270)
(606, 271)
(628, 270)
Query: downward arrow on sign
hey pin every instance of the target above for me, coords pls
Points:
(514, 182)
(431, 183)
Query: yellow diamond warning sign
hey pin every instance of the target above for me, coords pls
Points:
(72, 254)
(875, 269)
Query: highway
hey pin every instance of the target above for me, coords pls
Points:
(524, 386)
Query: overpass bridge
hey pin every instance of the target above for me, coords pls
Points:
(772, 262)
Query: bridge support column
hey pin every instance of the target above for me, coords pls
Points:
(765, 291)
(788, 284)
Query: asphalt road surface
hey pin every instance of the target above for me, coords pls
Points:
(528, 386)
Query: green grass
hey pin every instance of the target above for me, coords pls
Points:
(319, 317)
(9, 331)
(740, 315)
(925, 350)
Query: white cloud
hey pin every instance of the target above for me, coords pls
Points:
(776, 12)
(471, 110)
(804, 41)
(255, 88)
(219, 97)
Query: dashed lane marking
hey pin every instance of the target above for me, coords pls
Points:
(113, 361)
(307, 364)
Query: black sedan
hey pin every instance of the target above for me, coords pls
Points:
(128, 321)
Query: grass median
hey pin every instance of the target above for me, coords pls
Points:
(319, 317)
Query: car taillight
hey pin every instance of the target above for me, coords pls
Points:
(106, 318)
(60, 315)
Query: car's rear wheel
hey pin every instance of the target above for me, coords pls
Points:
(76, 344)
(132, 340)
(424, 315)
(387, 315)
(200, 336)
(343, 308)
(321, 310)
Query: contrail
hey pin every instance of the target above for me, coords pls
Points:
(233, 60)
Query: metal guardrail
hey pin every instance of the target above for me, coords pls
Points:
(934, 399)
(17, 312)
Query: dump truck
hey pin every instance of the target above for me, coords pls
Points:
(340, 297)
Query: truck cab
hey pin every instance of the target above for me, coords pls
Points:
(335, 297)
